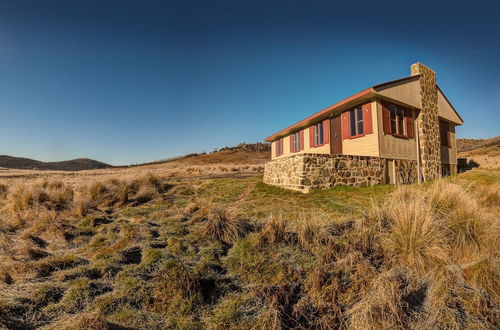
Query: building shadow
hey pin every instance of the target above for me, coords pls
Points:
(464, 165)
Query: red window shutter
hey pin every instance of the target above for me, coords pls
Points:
(367, 118)
(291, 138)
(344, 118)
(444, 128)
(386, 119)
(409, 123)
(311, 136)
(301, 139)
(276, 147)
(326, 131)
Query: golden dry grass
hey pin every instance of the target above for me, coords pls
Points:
(140, 249)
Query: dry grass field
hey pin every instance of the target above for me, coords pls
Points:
(201, 242)
(487, 157)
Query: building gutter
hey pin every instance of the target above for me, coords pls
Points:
(325, 113)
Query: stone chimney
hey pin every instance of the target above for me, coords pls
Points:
(428, 123)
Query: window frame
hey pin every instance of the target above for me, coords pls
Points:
(401, 129)
(319, 136)
(355, 121)
(296, 141)
(393, 109)
(279, 147)
(397, 120)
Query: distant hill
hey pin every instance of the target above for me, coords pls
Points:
(471, 144)
(483, 152)
(243, 153)
(78, 164)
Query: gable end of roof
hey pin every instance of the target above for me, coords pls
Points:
(451, 105)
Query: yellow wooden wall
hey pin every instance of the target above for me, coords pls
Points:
(366, 145)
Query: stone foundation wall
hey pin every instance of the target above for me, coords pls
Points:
(312, 171)
(406, 171)
(315, 171)
(286, 172)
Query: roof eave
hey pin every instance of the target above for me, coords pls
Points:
(325, 113)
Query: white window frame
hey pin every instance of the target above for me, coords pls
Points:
(319, 138)
(354, 118)
(296, 141)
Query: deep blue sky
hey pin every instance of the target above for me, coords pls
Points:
(135, 81)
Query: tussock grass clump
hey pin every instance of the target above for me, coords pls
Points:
(85, 321)
(27, 203)
(46, 266)
(105, 194)
(175, 289)
(53, 196)
(415, 238)
(489, 195)
(440, 233)
(191, 208)
(81, 292)
(3, 190)
(383, 305)
(224, 225)
(276, 230)
(145, 194)
(236, 310)
(311, 231)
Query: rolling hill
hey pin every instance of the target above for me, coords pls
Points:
(78, 164)
(483, 152)
(470, 144)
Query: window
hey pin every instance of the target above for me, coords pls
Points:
(397, 119)
(356, 118)
(394, 121)
(352, 116)
(444, 128)
(359, 119)
(296, 141)
(279, 147)
(318, 134)
(401, 116)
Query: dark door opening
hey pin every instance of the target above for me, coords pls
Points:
(336, 134)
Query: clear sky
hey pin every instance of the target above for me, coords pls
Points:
(135, 81)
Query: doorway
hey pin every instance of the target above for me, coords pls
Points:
(336, 134)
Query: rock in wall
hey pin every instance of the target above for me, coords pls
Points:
(406, 171)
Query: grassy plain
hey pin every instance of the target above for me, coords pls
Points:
(203, 243)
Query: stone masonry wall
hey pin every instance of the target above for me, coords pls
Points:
(286, 172)
(406, 171)
(428, 123)
(310, 171)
